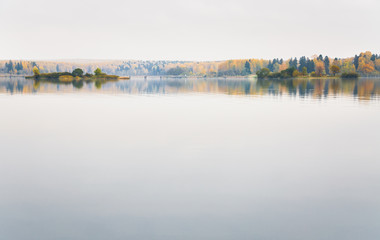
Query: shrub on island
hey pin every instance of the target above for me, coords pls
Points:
(350, 75)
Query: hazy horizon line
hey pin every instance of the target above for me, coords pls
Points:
(158, 60)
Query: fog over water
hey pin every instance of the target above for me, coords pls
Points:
(190, 159)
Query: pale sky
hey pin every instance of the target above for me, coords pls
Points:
(186, 30)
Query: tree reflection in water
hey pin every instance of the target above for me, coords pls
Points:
(363, 89)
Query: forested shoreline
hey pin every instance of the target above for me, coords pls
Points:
(364, 64)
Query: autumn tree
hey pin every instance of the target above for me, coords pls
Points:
(36, 71)
(283, 66)
(366, 65)
(366, 68)
(348, 66)
(335, 69)
(319, 68)
(98, 72)
(377, 64)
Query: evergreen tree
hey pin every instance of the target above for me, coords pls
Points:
(291, 62)
(9, 66)
(247, 67)
(295, 63)
(327, 65)
(310, 66)
(302, 63)
(19, 66)
(270, 66)
(356, 62)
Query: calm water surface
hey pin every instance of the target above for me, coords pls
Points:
(190, 159)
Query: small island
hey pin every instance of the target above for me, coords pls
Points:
(76, 75)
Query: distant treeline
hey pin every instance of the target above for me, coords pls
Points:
(365, 64)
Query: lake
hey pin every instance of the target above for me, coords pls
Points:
(190, 159)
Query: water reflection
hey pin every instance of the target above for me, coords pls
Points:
(363, 89)
(196, 166)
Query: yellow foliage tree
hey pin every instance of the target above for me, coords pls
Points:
(334, 69)
(36, 71)
(366, 68)
(377, 64)
(319, 68)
